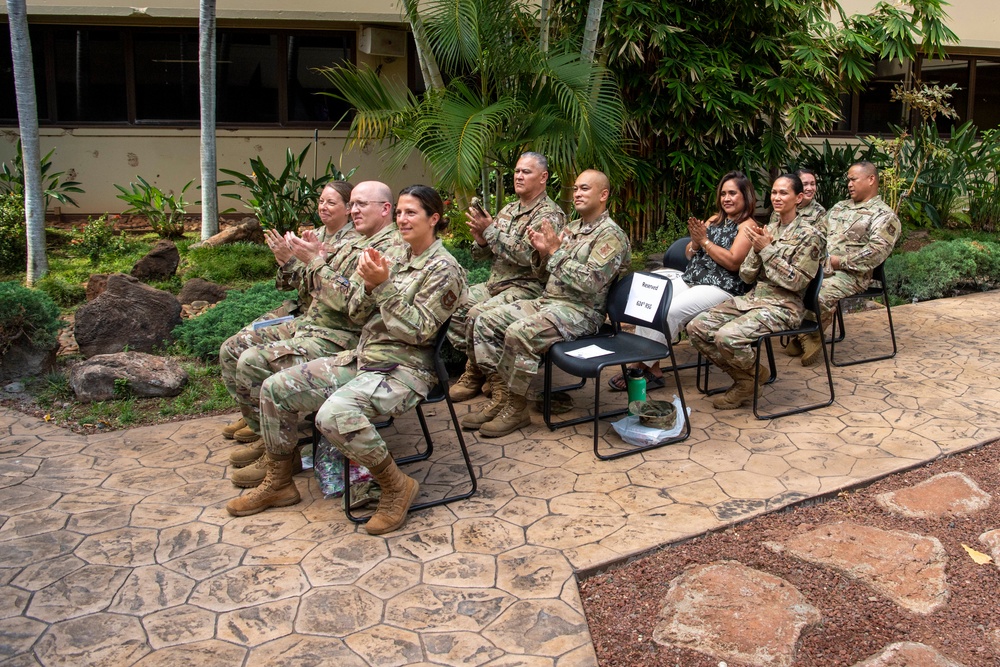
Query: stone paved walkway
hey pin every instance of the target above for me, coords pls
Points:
(116, 549)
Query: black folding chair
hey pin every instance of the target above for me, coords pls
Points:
(438, 394)
(838, 332)
(623, 348)
(811, 302)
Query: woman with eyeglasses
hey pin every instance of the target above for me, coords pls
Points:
(405, 304)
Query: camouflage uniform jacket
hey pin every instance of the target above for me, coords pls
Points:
(784, 268)
(582, 269)
(862, 235)
(404, 314)
(814, 211)
(507, 243)
(290, 273)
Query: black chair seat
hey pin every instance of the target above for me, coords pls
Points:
(838, 331)
(624, 348)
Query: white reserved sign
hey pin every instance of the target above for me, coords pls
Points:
(644, 297)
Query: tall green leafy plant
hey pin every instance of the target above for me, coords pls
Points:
(830, 164)
(164, 210)
(285, 200)
(55, 186)
(500, 94)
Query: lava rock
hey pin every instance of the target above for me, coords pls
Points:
(144, 375)
(127, 314)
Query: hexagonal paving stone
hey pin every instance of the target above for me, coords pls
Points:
(184, 624)
(423, 545)
(124, 547)
(442, 608)
(390, 577)
(337, 611)
(98, 640)
(522, 511)
(22, 499)
(304, 651)
(386, 646)
(258, 624)
(462, 570)
(564, 532)
(545, 483)
(99, 520)
(81, 592)
(96, 499)
(178, 541)
(144, 480)
(254, 530)
(35, 523)
(343, 560)
(40, 574)
(15, 553)
(208, 652)
(742, 484)
(459, 648)
(533, 572)
(539, 627)
(486, 536)
(150, 589)
(12, 601)
(207, 561)
(249, 585)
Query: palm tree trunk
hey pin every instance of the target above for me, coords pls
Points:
(428, 64)
(27, 120)
(592, 30)
(209, 166)
(543, 37)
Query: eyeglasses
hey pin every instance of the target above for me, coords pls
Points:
(362, 204)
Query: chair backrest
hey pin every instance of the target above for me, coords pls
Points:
(620, 298)
(676, 255)
(441, 388)
(811, 297)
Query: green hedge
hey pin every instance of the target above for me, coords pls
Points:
(944, 268)
(13, 240)
(27, 312)
(203, 335)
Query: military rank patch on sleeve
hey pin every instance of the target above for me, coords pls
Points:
(342, 282)
(449, 299)
(605, 251)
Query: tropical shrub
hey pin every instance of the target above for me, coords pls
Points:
(97, 238)
(830, 164)
(26, 313)
(53, 184)
(282, 202)
(203, 335)
(164, 211)
(13, 242)
(64, 293)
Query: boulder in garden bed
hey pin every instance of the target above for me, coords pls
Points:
(199, 289)
(127, 314)
(159, 263)
(145, 375)
(249, 230)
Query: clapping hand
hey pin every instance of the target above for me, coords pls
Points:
(307, 248)
(373, 268)
(545, 240)
(760, 237)
(697, 231)
(277, 244)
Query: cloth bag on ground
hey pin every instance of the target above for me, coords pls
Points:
(634, 433)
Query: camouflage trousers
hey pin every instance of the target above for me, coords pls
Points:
(835, 287)
(511, 339)
(344, 400)
(264, 352)
(463, 320)
(725, 333)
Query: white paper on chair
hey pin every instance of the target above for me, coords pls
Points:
(644, 297)
(589, 352)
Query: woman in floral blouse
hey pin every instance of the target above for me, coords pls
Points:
(718, 246)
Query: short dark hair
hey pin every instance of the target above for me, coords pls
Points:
(343, 188)
(430, 200)
(542, 161)
(804, 170)
(868, 167)
(745, 187)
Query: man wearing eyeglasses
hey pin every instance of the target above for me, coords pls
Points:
(325, 329)
(504, 240)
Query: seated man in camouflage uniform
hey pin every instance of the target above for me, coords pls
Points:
(860, 234)
(784, 258)
(581, 263)
(325, 329)
(504, 239)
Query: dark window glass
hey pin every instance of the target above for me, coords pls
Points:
(8, 95)
(944, 73)
(876, 111)
(843, 124)
(166, 76)
(986, 112)
(247, 77)
(90, 75)
(305, 54)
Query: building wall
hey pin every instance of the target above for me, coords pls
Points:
(976, 22)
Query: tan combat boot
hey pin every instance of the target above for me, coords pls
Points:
(490, 409)
(277, 490)
(794, 347)
(398, 493)
(513, 416)
(252, 475)
(469, 385)
(245, 456)
(246, 435)
(230, 429)
(742, 390)
(812, 348)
